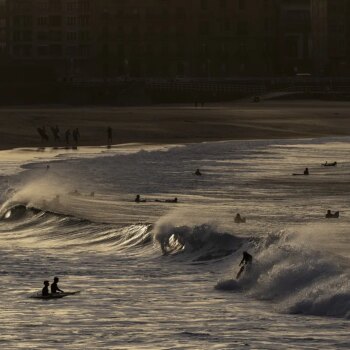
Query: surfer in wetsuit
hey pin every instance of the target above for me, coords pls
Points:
(171, 200)
(306, 171)
(54, 286)
(139, 200)
(246, 261)
(45, 290)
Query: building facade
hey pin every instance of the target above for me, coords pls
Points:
(108, 39)
(53, 35)
(331, 36)
(2, 29)
(295, 43)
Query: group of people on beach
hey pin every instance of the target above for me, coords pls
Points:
(74, 133)
(55, 130)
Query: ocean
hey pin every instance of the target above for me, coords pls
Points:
(72, 214)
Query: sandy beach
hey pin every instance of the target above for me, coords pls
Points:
(176, 124)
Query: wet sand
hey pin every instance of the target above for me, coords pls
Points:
(176, 124)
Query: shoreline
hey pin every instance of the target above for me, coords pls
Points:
(175, 124)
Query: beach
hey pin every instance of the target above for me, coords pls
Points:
(175, 124)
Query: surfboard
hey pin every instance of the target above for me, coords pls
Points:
(232, 285)
(54, 296)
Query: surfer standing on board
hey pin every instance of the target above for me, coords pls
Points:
(246, 261)
(54, 286)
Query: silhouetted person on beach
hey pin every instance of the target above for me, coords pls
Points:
(246, 261)
(67, 137)
(55, 132)
(76, 136)
(43, 135)
(198, 173)
(109, 136)
(45, 290)
(54, 286)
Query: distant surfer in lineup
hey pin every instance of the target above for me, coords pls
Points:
(171, 200)
(175, 200)
(54, 286)
(239, 219)
(198, 173)
(330, 215)
(330, 164)
(306, 172)
(245, 262)
(45, 290)
(139, 200)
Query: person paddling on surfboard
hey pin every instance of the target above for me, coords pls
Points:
(246, 261)
(45, 290)
(54, 286)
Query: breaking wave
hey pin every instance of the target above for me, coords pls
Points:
(295, 279)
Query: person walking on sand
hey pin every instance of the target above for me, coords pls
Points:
(56, 133)
(76, 136)
(109, 136)
(67, 137)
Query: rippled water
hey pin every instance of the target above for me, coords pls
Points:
(297, 295)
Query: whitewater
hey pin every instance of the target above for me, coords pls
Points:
(72, 214)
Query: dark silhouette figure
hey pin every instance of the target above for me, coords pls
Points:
(54, 286)
(67, 137)
(306, 172)
(239, 219)
(43, 135)
(139, 200)
(246, 261)
(330, 164)
(198, 173)
(109, 136)
(56, 133)
(76, 136)
(171, 200)
(329, 215)
(45, 290)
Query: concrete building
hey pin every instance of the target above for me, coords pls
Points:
(193, 38)
(295, 47)
(331, 37)
(53, 35)
(107, 39)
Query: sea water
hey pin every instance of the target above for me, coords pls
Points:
(77, 219)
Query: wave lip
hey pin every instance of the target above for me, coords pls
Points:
(203, 242)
